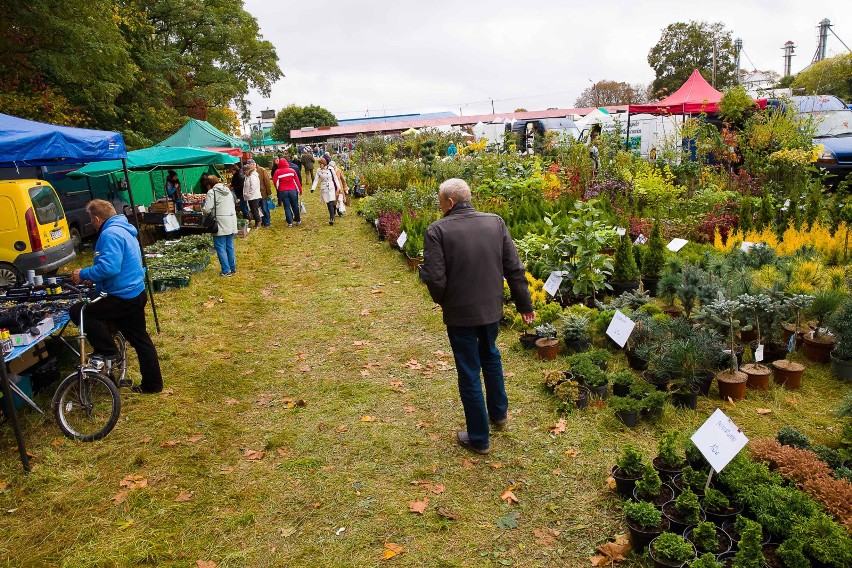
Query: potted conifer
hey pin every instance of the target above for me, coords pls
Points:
(731, 381)
(819, 343)
(628, 469)
(547, 346)
(653, 260)
(625, 273)
(841, 326)
(670, 550)
(644, 521)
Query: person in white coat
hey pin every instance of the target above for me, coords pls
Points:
(220, 199)
(251, 192)
(330, 186)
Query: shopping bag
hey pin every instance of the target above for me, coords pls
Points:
(302, 208)
(341, 206)
(270, 204)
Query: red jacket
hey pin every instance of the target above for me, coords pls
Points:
(286, 179)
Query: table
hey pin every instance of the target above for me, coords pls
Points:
(59, 323)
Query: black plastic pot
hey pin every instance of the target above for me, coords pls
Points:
(650, 285)
(686, 399)
(676, 524)
(628, 417)
(620, 390)
(666, 473)
(721, 518)
(619, 288)
(640, 537)
(662, 563)
(600, 391)
(705, 382)
(579, 345)
(636, 363)
(528, 340)
(660, 384)
(677, 484)
(666, 494)
(624, 485)
(841, 368)
(722, 539)
(582, 401)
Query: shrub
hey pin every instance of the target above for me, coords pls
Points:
(824, 540)
(575, 327)
(654, 259)
(653, 403)
(599, 357)
(835, 495)
(789, 436)
(630, 463)
(750, 554)
(706, 560)
(588, 373)
(777, 508)
(624, 404)
(622, 378)
(693, 454)
(791, 555)
(715, 501)
(687, 506)
(642, 514)
(704, 537)
(668, 449)
(625, 269)
(673, 547)
(650, 484)
(695, 480)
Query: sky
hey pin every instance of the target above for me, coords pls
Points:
(374, 58)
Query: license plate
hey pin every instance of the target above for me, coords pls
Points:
(56, 233)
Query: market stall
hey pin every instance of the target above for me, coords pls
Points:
(202, 134)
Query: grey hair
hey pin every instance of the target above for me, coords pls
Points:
(455, 189)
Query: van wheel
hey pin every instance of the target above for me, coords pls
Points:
(9, 275)
(76, 238)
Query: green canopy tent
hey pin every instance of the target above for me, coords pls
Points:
(148, 169)
(202, 134)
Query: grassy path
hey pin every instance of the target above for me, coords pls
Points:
(331, 317)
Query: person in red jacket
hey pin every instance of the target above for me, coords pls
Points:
(289, 188)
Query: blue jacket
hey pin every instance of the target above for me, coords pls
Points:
(118, 267)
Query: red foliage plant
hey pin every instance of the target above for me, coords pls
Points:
(722, 218)
(389, 227)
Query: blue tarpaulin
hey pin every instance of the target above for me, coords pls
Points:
(30, 143)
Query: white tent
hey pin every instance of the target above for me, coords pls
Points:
(598, 116)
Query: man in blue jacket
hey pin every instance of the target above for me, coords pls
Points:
(118, 272)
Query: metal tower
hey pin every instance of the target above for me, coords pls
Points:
(788, 56)
(824, 27)
(738, 47)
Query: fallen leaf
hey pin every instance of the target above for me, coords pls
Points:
(365, 373)
(397, 281)
(169, 444)
(469, 463)
(509, 375)
(305, 368)
(327, 467)
(56, 442)
(396, 383)
(418, 506)
(249, 350)
(368, 419)
(342, 429)
(226, 469)
(610, 482)
(145, 440)
(250, 324)
(409, 409)
(510, 521)
(546, 537)
(615, 551)
(447, 513)
(509, 497)
(495, 465)
(556, 471)
(439, 353)
(282, 452)
(377, 291)
(231, 401)
(184, 496)
(209, 304)
(254, 454)
(421, 424)
(205, 564)
(119, 497)
(792, 400)
(764, 411)
(392, 549)
(437, 488)
(194, 438)
(287, 531)
(559, 428)
(364, 312)
(360, 343)
(572, 453)
(133, 482)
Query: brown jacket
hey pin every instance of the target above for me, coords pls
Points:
(466, 255)
(265, 182)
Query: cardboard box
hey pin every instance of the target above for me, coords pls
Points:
(35, 354)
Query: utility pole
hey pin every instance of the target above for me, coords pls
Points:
(738, 46)
(492, 107)
(714, 63)
(788, 57)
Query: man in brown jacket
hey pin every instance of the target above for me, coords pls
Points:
(265, 192)
(467, 254)
(307, 160)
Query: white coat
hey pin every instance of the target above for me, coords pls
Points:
(226, 214)
(327, 190)
(251, 189)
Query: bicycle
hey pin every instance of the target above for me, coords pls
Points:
(87, 404)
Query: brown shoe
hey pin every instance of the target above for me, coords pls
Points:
(464, 441)
(501, 424)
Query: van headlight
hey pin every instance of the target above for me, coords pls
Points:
(827, 157)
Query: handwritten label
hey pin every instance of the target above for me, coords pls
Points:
(554, 281)
(401, 240)
(676, 244)
(758, 353)
(640, 240)
(620, 328)
(719, 440)
(746, 246)
(620, 231)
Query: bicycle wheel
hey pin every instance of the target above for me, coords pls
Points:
(119, 367)
(86, 406)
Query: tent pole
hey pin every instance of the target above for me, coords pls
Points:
(12, 415)
(141, 247)
(627, 134)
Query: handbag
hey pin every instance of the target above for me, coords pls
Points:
(210, 224)
(302, 208)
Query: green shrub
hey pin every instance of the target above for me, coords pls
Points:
(824, 540)
(588, 373)
(790, 553)
(693, 454)
(668, 449)
(630, 463)
(777, 508)
(695, 480)
(704, 537)
(650, 484)
(654, 258)
(653, 403)
(706, 560)
(789, 436)
(687, 506)
(624, 404)
(624, 268)
(642, 514)
(750, 554)
(673, 547)
(715, 501)
(622, 378)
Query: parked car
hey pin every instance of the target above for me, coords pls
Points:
(833, 121)
(34, 233)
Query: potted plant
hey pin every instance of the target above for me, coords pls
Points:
(668, 461)
(694, 457)
(691, 278)
(621, 381)
(667, 288)
(644, 521)
(651, 488)
(654, 259)
(547, 346)
(750, 553)
(589, 374)
(706, 560)
(787, 372)
(670, 549)
(575, 332)
(625, 273)
(684, 511)
(757, 373)
(718, 508)
(707, 537)
(797, 303)
(652, 404)
(554, 377)
(626, 409)
(628, 468)
(572, 394)
(841, 326)
(732, 382)
(819, 343)
(695, 480)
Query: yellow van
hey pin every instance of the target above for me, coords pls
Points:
(33, 230)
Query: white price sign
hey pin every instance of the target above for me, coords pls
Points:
(554, 281)
(620, 328)
(401, 240)
(676, 244)
(640, 240)
(620, 231)
(719, 440)
(758, 353)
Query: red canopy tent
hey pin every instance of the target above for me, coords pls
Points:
(694, 97)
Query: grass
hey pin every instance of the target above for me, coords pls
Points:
(331, 316)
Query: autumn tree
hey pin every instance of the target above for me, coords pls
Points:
(685, 46)
(293, 117)
(832, 76)
(609, 93)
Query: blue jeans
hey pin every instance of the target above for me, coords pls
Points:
(474, 349)
(264, 210)
(244, 208)
(224, 246)
(291, 205)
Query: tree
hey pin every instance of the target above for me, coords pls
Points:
(608, 93)
(832, 76)
(294, 117)
(687, 46)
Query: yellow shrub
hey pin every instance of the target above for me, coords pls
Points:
(806, 277)
(830, 248)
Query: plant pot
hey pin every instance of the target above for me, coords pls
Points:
(772, 351)
(578, 345)
(732, 385)
(758, 376)
(666, 494)
(661, 384)
(582, 401)
(528, 340)
(728, 515)
(650, 285)
(739, 354)
(677, 524)
(663, 563)
(619, 288)
(727, 558)
(705, 381)
(414, 262)
(620, 390)
(800, 334)
(673, 311)
(788, 374)
(547, 348)
(724, 541)
(636, 363)
(770, 556)
(599, 391)
(818, 349)
(686, 399)
(677, 484)
(666, 472)
(623, 485)
(841, 368)
(640, 537)
(628, 417)
(748, 335)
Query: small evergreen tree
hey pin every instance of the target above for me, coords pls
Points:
(654, 260)
(625, 269)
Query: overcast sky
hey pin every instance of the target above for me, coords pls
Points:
(406, 56)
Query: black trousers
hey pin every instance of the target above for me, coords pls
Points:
(256, 211)
(128, 317)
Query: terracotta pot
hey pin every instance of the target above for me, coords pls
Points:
(748, 335)
(758, 376)
(673, 311)
(818, 349)
(414, 262)
(732, 385)
(788, 374)
(788, 332)
(547, 348)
